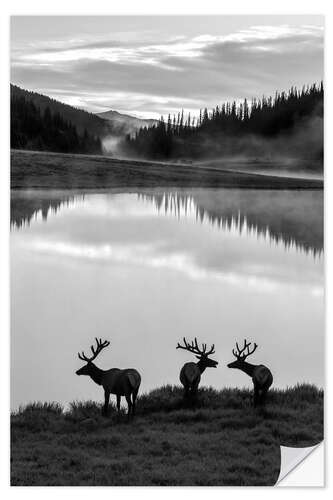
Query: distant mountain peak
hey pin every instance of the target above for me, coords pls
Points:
(127, 124)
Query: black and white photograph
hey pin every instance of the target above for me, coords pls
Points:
(167, 316)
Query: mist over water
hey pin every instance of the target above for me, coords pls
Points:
(143, 269)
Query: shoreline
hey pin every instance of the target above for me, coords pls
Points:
(47, 170)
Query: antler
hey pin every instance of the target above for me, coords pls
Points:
(99, 347)
(195, 349)
(241, 354)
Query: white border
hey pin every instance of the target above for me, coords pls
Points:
(104, 7)
(307, 471)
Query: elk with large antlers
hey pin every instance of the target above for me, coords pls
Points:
(262, 377)
(114, 381)
(190, 374)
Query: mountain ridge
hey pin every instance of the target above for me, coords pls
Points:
(128, 123)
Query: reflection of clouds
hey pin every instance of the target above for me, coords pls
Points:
(152, 255)
(128, 230)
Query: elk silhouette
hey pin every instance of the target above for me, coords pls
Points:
(190, 374)
(114, 381)
(262, 377)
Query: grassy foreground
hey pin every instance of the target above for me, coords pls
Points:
(31, 169)
(218, 440)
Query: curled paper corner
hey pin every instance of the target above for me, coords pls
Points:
(292, 457)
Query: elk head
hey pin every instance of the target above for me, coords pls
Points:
(89, 368)
(201, 354)
(242, 354)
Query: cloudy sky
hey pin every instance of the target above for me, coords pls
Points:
(148, 66)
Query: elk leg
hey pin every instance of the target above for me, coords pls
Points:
(195, 389)
(106, 403)
(118, 402)
(263, 397)
(129, 403)
(134, 396)
(255, 396)
(193, 393)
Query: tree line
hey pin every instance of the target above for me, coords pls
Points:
(41, 130)
(224, 126)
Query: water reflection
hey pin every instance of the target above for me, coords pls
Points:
(294, 218)
(144, 269)
(25, 205)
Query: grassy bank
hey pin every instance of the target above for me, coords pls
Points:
(218, 440)
(68, 171)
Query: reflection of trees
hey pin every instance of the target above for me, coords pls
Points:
(27, 206)
(294, 218)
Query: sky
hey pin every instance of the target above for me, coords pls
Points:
(150, 66)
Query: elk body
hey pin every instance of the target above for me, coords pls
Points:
(262, 377)
(114, 381)
(190, 374)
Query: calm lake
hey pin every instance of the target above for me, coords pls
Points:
(143, 269)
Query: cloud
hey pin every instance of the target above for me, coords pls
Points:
(161, 74)
(179, 47)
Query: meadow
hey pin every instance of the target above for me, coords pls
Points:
(218, 439)
(31, 169)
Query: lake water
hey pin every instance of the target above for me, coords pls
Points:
(143, 269)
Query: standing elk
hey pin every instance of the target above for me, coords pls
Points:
(190, 374)
(114, 381)
(262, 377)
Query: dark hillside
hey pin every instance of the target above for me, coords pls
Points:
(80, 119)
(47, 130)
